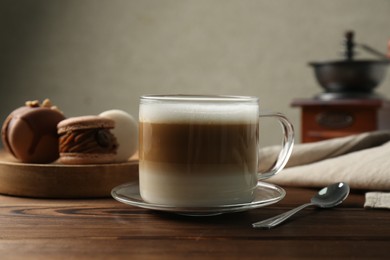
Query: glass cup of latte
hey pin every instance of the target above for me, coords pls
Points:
(203, 151)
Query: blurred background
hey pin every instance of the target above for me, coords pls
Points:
(88, 56)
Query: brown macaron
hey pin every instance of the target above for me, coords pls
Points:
(87, 140)
(29, 133)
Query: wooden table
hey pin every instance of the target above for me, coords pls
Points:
(107, 229)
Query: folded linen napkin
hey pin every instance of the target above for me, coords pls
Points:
(312, 152)
(377, 200)
(363, 161)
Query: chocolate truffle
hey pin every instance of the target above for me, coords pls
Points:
(29, 133)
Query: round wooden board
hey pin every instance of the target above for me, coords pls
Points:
(57, 180)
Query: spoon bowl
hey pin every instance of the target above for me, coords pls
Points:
(327, 197)
(331, 196)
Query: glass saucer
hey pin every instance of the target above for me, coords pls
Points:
(265, 194)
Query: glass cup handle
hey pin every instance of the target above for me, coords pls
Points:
(287, 145)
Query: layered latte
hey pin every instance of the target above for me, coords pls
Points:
(198, 154)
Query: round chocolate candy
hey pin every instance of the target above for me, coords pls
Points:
(29, 133)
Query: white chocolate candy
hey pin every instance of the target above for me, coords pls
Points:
(125, 131)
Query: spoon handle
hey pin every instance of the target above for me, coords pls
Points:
(274, 221)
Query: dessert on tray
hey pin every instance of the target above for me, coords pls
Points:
(87, 140)
(125, 131)
(29, 133)
(40, 133)
(49, 156)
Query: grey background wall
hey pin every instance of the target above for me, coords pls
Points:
(92, 55)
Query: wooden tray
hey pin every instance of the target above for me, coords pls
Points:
(57, 180)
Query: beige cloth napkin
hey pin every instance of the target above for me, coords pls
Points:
(377, 200)
(363, 161)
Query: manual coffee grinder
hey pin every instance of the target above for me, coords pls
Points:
(350, 77)
(348, 104)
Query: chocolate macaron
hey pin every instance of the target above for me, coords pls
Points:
(29, 133)
(87, 140)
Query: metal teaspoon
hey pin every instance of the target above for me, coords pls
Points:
(327, 197)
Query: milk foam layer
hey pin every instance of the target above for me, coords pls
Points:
(173, 112)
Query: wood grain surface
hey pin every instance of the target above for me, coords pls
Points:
(107, 229)
(57, 180)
